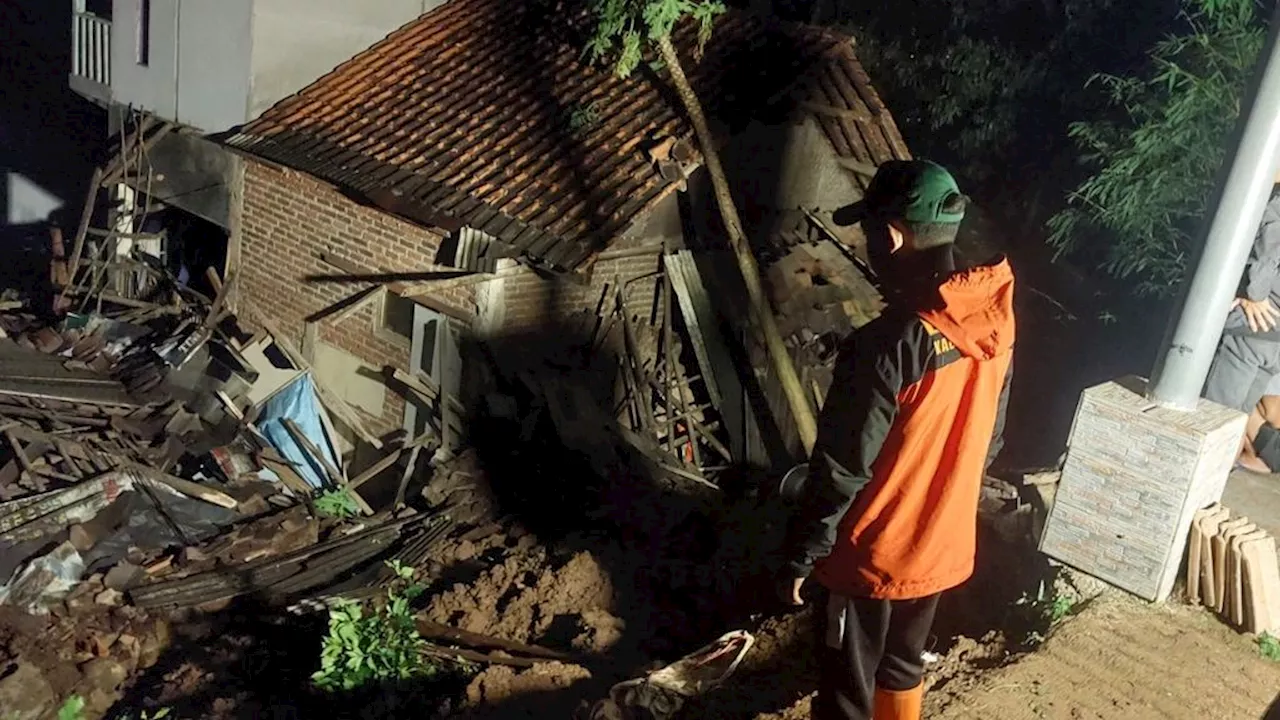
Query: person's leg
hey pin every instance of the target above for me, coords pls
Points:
(1250, 458)
(900, 677)
(1262, 432)
(851, 637)
(1234, 374)
(1264, 408)
(1266, 446)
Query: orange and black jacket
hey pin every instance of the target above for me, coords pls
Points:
(911, 422)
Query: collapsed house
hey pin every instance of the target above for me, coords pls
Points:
(469, 178)
(463, 222)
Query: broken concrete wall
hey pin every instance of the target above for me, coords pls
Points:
(287, 223)
(190, 173)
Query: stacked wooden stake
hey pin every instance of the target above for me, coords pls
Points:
(1232, 568)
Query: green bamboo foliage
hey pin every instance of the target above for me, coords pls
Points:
(623, 27)
(1157, 155)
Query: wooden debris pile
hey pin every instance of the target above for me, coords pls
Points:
(822, 291)
(65, 420)
(651, 403)
(279, 578)
(692, 391)
(154, 386)
(1232, 568)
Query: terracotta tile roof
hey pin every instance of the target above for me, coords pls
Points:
(482, 113)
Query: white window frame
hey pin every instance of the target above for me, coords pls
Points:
(445, 370)
(380, 329)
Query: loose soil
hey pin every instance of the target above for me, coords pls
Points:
(619, 603)
(1126, 659)
(1119, 658)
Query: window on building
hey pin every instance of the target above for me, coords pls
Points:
(426, 360)
(142, 34)
(397, 316)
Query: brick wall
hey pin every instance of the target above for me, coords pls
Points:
(287, 219)
(535, 304)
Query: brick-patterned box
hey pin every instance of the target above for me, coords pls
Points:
(1135, 474)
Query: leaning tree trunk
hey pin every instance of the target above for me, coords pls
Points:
(761, 312)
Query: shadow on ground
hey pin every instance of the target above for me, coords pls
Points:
(1273, 712)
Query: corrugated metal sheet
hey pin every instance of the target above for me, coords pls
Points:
(482, 113)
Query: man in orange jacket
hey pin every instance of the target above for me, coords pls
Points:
(887, 519)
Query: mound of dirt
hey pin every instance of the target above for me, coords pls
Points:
(528, 598)
(500, 684)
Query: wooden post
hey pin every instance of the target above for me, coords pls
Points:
(761, 312)
(86, 215)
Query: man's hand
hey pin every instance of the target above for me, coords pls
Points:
(1261, 314)
(789, 590)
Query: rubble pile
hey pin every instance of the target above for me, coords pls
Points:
(154, 455)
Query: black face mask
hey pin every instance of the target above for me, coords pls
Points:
(880, 250)
(906, 279)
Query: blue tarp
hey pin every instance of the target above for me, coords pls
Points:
(297, 402)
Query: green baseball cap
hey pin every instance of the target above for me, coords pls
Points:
(914, 190)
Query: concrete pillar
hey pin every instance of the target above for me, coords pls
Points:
(1182, 367)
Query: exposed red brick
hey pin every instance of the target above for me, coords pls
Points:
(287, 220)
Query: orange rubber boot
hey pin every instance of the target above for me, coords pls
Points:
(899, 704)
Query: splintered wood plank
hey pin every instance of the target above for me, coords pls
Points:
(19, 454)
(1219, 544)
(1238, 599)
(335, 475)
(288, 475)
(1262, 580)
(1209, 527)
(387, 461)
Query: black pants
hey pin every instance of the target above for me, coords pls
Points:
(1267, 446)
(879, 643)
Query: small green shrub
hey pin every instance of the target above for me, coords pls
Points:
(337, 503)
(1041, 612)
(72, 708)
(375, 644)
(1269, 646)
(584, 117)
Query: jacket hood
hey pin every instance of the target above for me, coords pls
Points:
(977, 310)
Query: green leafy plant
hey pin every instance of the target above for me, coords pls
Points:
(1042, 611)
(1157, 153)
(584, 117)
(986, 86)
(337, 503)
(1269, 646)
(72, 708)
(377, 643)
(623, 27)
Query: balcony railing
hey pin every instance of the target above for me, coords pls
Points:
(90, 52)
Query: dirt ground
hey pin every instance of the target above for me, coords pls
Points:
(1122, 658)
(620, 605)
(1119, 659)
